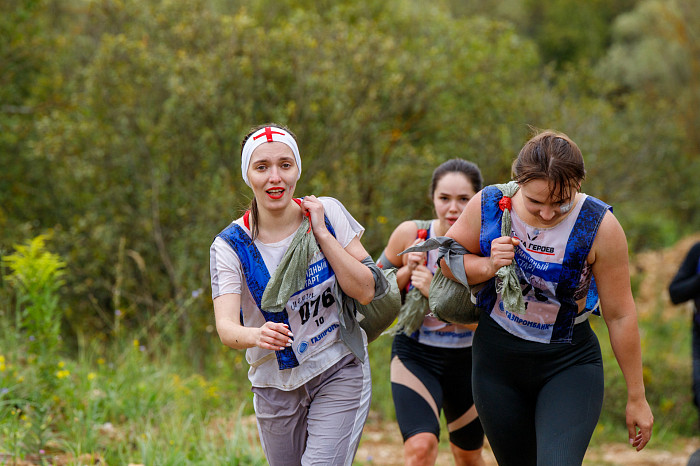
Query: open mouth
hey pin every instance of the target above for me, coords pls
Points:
(275, 193)
(451, 220)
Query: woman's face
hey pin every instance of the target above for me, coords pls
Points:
(272, 174)
(451, 195)
(539, 203)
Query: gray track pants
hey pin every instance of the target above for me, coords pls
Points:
(319, 423)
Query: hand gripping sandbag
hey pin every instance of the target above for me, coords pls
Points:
(449, 300)
(508, 284)
(415, 306)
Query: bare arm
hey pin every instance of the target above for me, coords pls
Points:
(611, 271)
(271, 336)
(466, 231)
(354, 277)
(403, 237)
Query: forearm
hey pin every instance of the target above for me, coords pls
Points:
(235, 335)
(479, 269)
(625, 342)
(228, 326)
(403, 276)
(354, 278)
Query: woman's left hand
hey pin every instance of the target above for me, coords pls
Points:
(313, 208)
(638, 416)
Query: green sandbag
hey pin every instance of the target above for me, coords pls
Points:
(508, 284)
(290, 277)
(379, 314)
(412, 313)
(450, 301)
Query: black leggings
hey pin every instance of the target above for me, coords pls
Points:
(426, 380)
(539, 403)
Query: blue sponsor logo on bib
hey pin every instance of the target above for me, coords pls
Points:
(303, 346)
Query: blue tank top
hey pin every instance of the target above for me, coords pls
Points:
(552, 270)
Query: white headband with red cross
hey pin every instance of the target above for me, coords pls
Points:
(260, 137)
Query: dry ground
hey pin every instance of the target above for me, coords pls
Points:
(381, 445)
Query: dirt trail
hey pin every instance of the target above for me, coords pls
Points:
(381, 445)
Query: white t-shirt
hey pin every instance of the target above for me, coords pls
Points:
(227, 277)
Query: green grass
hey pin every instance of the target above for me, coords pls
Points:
(667, 378)
(127, 405)
(158, 397)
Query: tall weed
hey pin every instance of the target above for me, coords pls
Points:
(134, 399)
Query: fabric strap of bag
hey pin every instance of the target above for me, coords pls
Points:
(376, 316)
(290, 277)
(450, 250)
(508, 284)
(415, 305)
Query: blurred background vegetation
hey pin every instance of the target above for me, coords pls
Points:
(120, 125)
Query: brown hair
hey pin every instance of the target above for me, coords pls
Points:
(552, 156)
(253, 203)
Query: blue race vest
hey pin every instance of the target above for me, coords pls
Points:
(257, 276)
(578, 247)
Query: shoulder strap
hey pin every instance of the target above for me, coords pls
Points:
(256, 277)
(423, 228)
(491, 221)
(491, 218)
(577, 249)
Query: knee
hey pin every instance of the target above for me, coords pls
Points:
(467, 457)
(421, 449)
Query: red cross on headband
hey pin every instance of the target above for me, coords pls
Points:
(272, 134)
(268, 132)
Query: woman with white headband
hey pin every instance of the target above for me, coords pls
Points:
(537, 365)
(308, 364)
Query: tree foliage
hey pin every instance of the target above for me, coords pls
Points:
(130, 150)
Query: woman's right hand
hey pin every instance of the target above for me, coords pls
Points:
(414, 259)
(421, 278)
(502, 252)
(274, 336)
